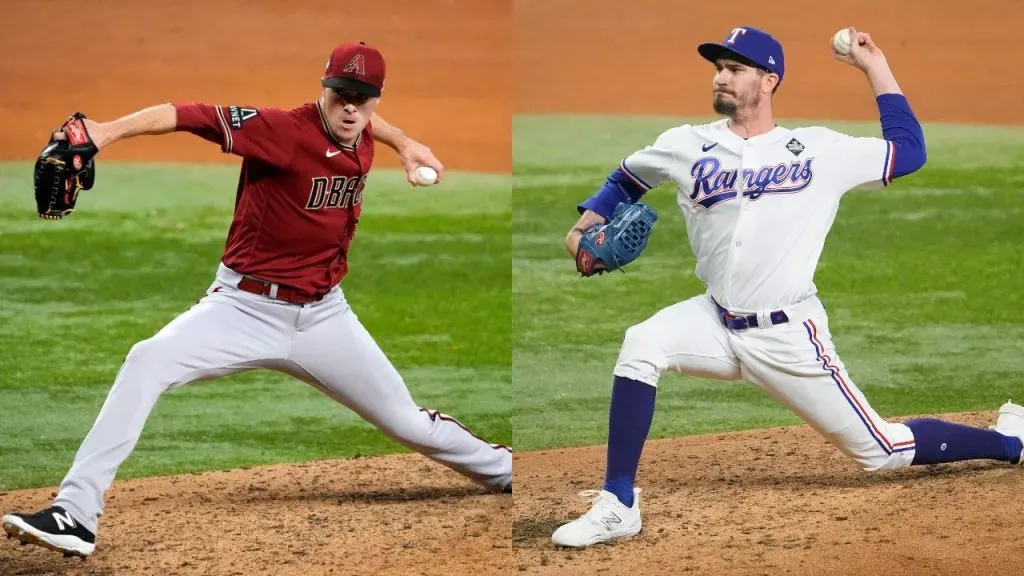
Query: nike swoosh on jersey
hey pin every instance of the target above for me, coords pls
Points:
(331, 154)
(706, 147)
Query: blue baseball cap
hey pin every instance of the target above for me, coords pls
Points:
(749, 46)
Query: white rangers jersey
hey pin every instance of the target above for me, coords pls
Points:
(758, 210)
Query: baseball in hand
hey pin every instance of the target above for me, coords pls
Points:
(425, 176)
(841, 42)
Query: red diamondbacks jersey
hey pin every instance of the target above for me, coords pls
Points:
(299, 191)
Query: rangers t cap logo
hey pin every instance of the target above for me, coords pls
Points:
(749, 46)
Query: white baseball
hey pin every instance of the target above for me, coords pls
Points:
(425, 175)
(841, 41)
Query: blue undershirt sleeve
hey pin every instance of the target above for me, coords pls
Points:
(901, 128)
(618, 188)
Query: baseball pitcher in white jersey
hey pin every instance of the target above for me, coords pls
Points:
(758, 200)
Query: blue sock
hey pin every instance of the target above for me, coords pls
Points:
(937, 441)
(629, 421)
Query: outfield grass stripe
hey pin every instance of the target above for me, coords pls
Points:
(567, 144)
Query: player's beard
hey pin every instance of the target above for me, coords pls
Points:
(723, 106)
(732, 107)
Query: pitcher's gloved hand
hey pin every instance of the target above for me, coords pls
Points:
(616, 242)
(64, 167)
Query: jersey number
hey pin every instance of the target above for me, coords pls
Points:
(336, 192)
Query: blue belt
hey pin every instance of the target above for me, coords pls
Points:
(733, 322)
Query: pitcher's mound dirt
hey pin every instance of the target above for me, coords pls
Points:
(389, 515)
(778, 501)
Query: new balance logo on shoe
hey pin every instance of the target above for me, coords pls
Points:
(608, 519)
(54, 528)
(611, 518)
(63, 519)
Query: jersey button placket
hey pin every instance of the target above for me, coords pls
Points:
(737, 231)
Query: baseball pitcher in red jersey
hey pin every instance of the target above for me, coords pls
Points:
(275, 302)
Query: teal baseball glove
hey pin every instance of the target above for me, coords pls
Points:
(616, 242)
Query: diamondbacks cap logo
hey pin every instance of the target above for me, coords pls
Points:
(795, 147)
(357, 65)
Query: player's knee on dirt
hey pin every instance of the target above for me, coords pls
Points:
(885, 461)
(880, 460)
(641, 356)
(868, 452)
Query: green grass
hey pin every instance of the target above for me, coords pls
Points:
(923, 283)
(429, 278)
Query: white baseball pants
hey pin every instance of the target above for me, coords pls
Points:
(230, 331)
(796, 363)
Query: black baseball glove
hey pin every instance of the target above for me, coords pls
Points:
(63, 168)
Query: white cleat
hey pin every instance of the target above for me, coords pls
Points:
(1011, 423)
(607, 519)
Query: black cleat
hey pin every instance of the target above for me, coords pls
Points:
(53, 528)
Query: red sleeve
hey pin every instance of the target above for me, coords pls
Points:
(266, 134)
